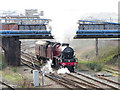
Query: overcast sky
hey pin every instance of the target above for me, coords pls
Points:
(64, 13)
(62, 6)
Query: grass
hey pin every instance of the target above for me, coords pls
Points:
(106, 55)
(11, 74)
(15, 77)
(14, 69)
(3, 63)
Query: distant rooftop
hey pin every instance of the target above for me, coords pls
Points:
(29, 13)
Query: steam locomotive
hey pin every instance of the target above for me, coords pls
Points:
(61, 54)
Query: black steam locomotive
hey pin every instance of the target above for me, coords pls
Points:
(60, 54)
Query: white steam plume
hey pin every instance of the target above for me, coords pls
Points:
(63, 71)
(64, 27)
(47, 68)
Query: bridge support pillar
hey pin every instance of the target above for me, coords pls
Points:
(11, 46)
(96, 46)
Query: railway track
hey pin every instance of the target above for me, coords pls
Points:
(117, 73)
(76, 83)
(61, 80)
(49, 76)
(87, 82)
(9, 87)
(29, 56)
(103, 83)
(109, 80)
(31, 59)
(73, 80)
(112, 69)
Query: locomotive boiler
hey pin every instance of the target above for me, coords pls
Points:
(62, 55)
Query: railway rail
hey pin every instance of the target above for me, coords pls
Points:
(117, 73)
(97, 80)
(49, 76)
(10, 88)
(61, 80)
(109, 80)
(29, 56)
(80, 84)
(72, 83)
(112, 69)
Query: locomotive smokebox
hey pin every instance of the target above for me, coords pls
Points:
(68, 53)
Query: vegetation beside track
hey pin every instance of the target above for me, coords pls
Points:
(108, 56)
(3, 63)
(13, 74)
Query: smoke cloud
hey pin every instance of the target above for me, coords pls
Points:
(64, 27)
(63, 71)
(47, 68)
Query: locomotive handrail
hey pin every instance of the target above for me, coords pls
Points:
(54, 45)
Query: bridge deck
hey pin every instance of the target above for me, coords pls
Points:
(27, 34)
(97, 29)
